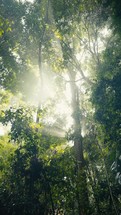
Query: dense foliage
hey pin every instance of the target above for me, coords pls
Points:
(60, 153)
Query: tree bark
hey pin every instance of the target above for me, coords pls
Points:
(82, 192)
(76, 114)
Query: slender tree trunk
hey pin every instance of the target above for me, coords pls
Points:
(41, 82)
(76, 114)
(40, 43)
(82, 193)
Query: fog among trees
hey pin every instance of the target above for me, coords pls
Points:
(60, 107)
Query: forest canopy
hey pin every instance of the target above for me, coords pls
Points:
(60, 107)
